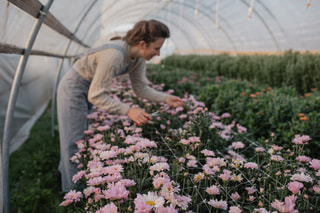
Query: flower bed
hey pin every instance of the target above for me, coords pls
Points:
(187, 160)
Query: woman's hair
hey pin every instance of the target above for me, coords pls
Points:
(147, 31)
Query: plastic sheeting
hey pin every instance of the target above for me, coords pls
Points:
(34, 94)
(197, 26)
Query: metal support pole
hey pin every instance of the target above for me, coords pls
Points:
(12, 104)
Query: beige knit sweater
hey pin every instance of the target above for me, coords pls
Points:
(99, 68)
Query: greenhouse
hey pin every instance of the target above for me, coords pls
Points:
(218, 109)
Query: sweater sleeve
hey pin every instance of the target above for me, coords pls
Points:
(101, 83)
(140, 84)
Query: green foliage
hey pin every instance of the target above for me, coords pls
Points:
(264, 110)
(300, 71)
(261, 108)
(33, 187)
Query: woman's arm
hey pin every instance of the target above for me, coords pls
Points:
(142, 89)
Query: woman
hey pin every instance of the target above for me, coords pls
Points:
(88, 83)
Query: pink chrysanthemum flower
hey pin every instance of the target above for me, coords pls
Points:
(301, 140)
(251, 198)
(145, 143)
(112, 178)
(251, 165)
(103, 128)
(237, 145)
(206, 153)
(260, 149)
(302, 178)
(251, 190)
(160, 167)
(208, 170)
(184, 141)
(66, 203)
(88, 191)
(276, 158)
(182, 160)
(168, 190)
(142, 207)
(194, 139)
(182, 201)
(216, 161)
(221, 204)
(226, 175)
(78, 176)
(109, 208)
(88, 132)
(287, 206)
(114, 169)
(105, 155)
(295, 186)
(131, 139)
(213, 190)
(225, 115)
(234, 209)
(241, 129)
(303, 158)
(315, 163)
(116, 193)
(126, 182)
(159, 181)
(276, 148)
(73, 195)
(316, 189)
(192, 163)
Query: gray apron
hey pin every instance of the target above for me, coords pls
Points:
(72, 109)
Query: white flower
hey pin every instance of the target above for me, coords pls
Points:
(151, 199)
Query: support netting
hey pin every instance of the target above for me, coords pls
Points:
(186, 159)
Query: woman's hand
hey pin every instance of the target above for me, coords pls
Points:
(174, 101)
(138, 115)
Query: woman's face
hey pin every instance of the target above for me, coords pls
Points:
(153, 49)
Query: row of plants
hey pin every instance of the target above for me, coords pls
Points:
(260, 108)
(264, 110)
(34, 188)
(300, 71)
(188, 159)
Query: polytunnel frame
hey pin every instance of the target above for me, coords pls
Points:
(220, 27)
(200, 10)
(12, 102)
(25, 53)
(265, 24)
(186, 37)
(204, 35)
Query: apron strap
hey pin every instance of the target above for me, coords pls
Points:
(103, 47)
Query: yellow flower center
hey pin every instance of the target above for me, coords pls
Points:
(151, 203)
